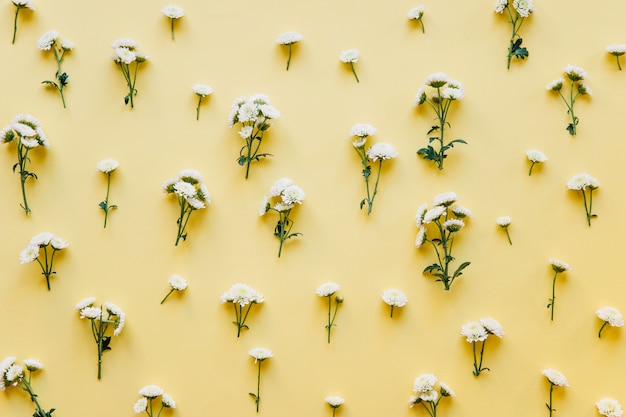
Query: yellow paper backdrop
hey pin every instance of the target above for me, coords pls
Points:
(188, 345)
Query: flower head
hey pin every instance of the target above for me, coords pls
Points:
(504, 221)
(437, 80)
(27, 4)
(173, 12)
(242, 294)
(177, 282)
(445, 199)
(395, 298)
(292, 195)
(91, 313)
(288, 38)
(575, 73)
(107, 165)
(424, 383)
(555, 85)
(14, 373)
(87, 302)
(167, 401)
(48, 39)
(433, 214)
(327, 289)
(67, 44)
(202, 90)
(32, 364)
(151, 391)
(124, 55)
(446, 391)
(381, 151)
(492, 326)
(555, 377)
(349, 56)
(609, 407)
(141, 405)
(29, 254)
(582, 181)
(453, 225)
(460, 211)
(524, 7)
(416, 12)
(500, 5)
(334, 401)
(421, 237)
(610, 315)
(617, 50)
(536, 156)
(559, 266)
(362, 130)
(260, 353)
(474, 332)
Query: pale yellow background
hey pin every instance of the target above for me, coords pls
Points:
(188, 345)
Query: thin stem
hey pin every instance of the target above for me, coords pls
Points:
(354, 72)
(480, 364)
(17, 11)
(58, 74)
(371, 201)
(618, 64)
(172, 20)
(590, 213)
(432, 410)
(106, 200)
(506, 229)
(587, 211)
(289, 59)
(553, 297)
(550, 405)
(422, 25)
(33, 397)
(602, 328)
(258, 388)
(237, 318)
(23, 173)
(530, 171)
(168, 294)
(243, 320)
(391, 315)
(198, 108)
(329, 322)
(101, 330)
(334, 408)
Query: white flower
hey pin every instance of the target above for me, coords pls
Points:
(5, 365)
(151, 391)
(202, 90)
(421, 237)
(334, 401)
(32, 364)
(350, 55)
(91, 313)
(87, 302)
(420, 96)
(167, 401)
(114, 310)
(125, 43)
(474, 332)
(184, 189)
(609, 407)
(362, 130)
(269, 111)
(141, 405)
(58, 243)
(289, 38)
(504, 221)
(67, 44)
(279, 186)
(42, 239)
(583, 88)
(381, 151)
(555, 85)
(416, 12)
(536, 156)
(429, 396)
(14, 372)
(492, 326)
(29, 254)
(433, 214)
(395, 298)
(617, 50)
(575, 73)
(524, 7)
(559, 266)
(177, 282)
(264, 206)
(436, 80)
(581, 182)
(247, 112)
(173, 12)
(446, 391)
(424, 383)
(47, 40)
(500, 5)
(327, 289)
(29, 143)
(292, 195)
(245, 132)
(445, 199)
(28, 4)
(453, 225)
(260, 354)
(107, 165)
(419, 215)
(124, 55)
(611, 315)
(280, 207)
(555, 377)
(451, 93)
(24, 130)
(359, 143)
(460, 211)
(195, 203)
(242, 294)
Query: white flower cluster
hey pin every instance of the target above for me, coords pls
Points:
(610, 315)
(107, 165)
(441, 203)
(609, 407)
(424, 389)
(27, 129)
(523, 7)
(190, 187)
(617, 50)
(260, 354)
(288, 38)
(478, 331)
(31, 252)
(11, 372)
(504, 221)
(242, 294)
(289, 194)
(115, 314)
(576, 75)
(582, 181)
(149, 393)
(126, 51)
(445, 89)
(177, 282)
(254, 112)
(555, 377)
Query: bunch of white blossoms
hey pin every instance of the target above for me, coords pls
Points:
(13, 374)
(427, 395)
(255, 114)
(191, 194)
(582, 182)
(479, 331)
(578, 86)
(149, 394)
(125, 54)
(45, 241)
(241, 295)
(610, 316)
(394, 298)
(609, 407)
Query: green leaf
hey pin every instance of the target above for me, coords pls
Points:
(432, 129)
(127, 99)
(103, 205)
(367, 171)
(112, 207)
(51, 83)
(293, 235)
(571, 129)
(456, 141)
(242, 160)
(460, 268)
(363, 203)
(431, 268)
(63, 79)
(253, 396)
(106, 341)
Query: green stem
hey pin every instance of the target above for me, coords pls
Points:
(550, 405)
(33, 397)
(172, 20)
(289, 59)
(422, 25)
(587, 210)
(506, 229)
(198, 108)
(258, 387)
(58, 74)
(242, 323)
(22, 158)
(106, 200)
(17, 11)
(329, 322)
(334, 408)
(530, 171)
(168, 294)
(354, 72)
(391, 315)
(370, 202)
(618, 64)
(602, 328)
(100, 337)
(553, 297)
(432, 411)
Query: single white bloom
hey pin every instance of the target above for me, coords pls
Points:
(167, 401)
(453, 225)
(114, 310)
(29, 143)
(609, 407)
(247, 112)
(419, 215)
(536, 156)
(184, 189)
(190, 175)
(617, 50)
(264, 206)
(107, 165)
(555, 85)
(28, 4)
(429, 396)
(327, 289)
(242, 294)
(58, 243)
(362, 130)
(280, 207)
(168, 185)
(124, 55)
(47, 40)
(24, 130)
(446, 391)
(141, 57)
(445, 199)
(424, 383)
(292, 195)
(125, 43)
(420, 96)
(349, 56)
(492, 326)
(583, 88)
(500, 5)
(279, 186)
(177, 282)
(504, 221)
(151, 391)
(559, 266)
(575, 73)
(91, 313)
(14, 373)
(288, 38)
(581, 182)
(203, 193)
(460, 211)
(29, 254)
(433, 214)
(524, 7)
(245, 132)
(173, 12)
(195, 203)
(87, 302)
(381, 151)
(359, 143)
(395, 298)
(437, 80)
(67, 44)
(42, 239)
(611, 315)
(269, 111)
(451, 93)
(555, 377)
(416, 12)
(32, 364)
(260, 354)
(474, 332)
(4, 366)
(421, 237)
(43, 140)
(413, 400)
(202, 90)
(141, 405)
(259, 99)
(334, 401)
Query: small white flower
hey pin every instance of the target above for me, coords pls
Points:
(202, 90)
(292, 195)
(32, 364)
(184, 189)
(500, 5)
(362, 130)
(29, 143)
(173, 12)
(504, 221)
(575, 73)
(167, 401)
(151, 391)
(42, 239)
(289, 38)
(24, 130)
(107, 165)
(141, 405)
(58, 243)
(29, 254)
(474, 332)
(452, 93)
(433, 214)
(264, 206)
(124, 55)
(536, 156)
(395, 298)
(327, 289)
(460, 211)
(416, 12)
(559, 266)
(14, 373)
(446, 391)
(349, 56)
(437, 80)
(429, 396)
(28, 4)
(125, 43)
(609, 407)
(260, 354)
(583, 88)
(334, 401)
(381, 151)
(555, 377)
(91, 313)
(245, 132)
(67, 44)
(424, 383)
(279, 186)
(47, 40)
(492, 326)
(611, 315)
(87, 302)
(269, 111)
(177, 282)
(242, 294)
(617, 50)
(581, 182)
(419, 215)
(421, 237)
(445, 199)
(114, 310)
(555, 85)
(524, 7)
(453, 225)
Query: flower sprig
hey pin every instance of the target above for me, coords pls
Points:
(350, 56)
(448, 221)
(100, 325)
(417, 13)
(578, 86)
(255, 114)
(556, 379)
(377, 152)
(582, 182)
(610, 316)
(335, 402)
(285, 195)
(19, 5)
(558, 267)
(478, 332)
(13, 374)
(241, 295)
(535, 157)
(201, 91)
(191, 194)
(26, 132)
(444, 91)
(259, 354)
(149, 394)
(519, 11)
(504, 222)
(172, 12)
(328, 290)
(50, 244)
(427, 395)
(289, 39)
(177, 283)
(125, 55)
(617, 51)
(394, 298)
(107, 166)
(48, 41)
(609, 407)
